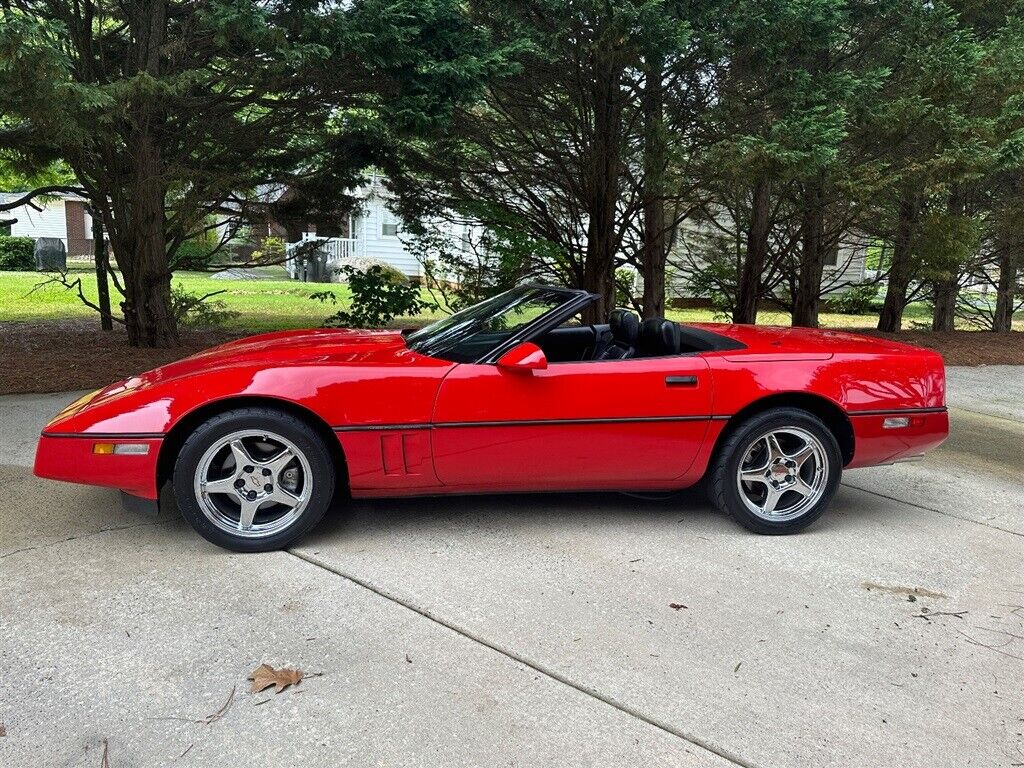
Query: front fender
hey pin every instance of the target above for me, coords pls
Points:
(340, 395)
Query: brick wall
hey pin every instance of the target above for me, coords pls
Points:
(79, 239)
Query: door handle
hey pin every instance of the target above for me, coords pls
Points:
(680, 381)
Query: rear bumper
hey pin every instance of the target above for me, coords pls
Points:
(71, 458)
(875, 444)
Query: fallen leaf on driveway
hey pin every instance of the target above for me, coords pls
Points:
(265, 676)
(676, 606)
(3, 730)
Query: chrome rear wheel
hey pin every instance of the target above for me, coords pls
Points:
(776, 471)
(783, 474)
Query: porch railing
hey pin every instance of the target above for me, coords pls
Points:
(314, 260)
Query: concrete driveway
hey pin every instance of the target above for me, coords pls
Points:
(591, 630)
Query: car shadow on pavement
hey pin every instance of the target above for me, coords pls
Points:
(685, 512)
(36, 512)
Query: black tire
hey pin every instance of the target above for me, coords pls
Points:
(723, 482)
(304, 439)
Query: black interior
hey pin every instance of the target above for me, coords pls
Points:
(625, 337)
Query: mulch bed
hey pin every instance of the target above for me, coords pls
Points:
(68, 355)
(963, 347)
(60, 356)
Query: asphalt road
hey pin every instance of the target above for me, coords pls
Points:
(591, 630)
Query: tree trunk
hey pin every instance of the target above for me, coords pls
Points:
(807, 297)
(599, 273)
(901, 272)
(655, 258)
(141, 253)
(944, 312)
(605, 165)
(654, 255)
(748, 294)
(138, 228)
(102, 259)
(947, 288)
(1002, 321)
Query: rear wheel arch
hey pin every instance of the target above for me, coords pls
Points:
(830, 414)
(187, 424)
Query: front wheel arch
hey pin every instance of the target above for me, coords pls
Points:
(187, 424)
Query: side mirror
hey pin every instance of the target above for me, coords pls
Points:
(524, 358)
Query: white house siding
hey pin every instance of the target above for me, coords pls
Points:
(49, 222)
(848, 270)
(380, 247)
(367, 243)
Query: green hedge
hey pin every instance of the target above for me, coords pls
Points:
(17, 254)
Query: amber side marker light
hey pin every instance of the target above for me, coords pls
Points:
(120, 449)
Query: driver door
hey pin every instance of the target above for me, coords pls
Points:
(574, 425)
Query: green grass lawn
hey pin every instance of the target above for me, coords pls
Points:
(280, 303)
(262, 305)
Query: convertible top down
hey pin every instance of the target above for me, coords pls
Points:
(259, 436)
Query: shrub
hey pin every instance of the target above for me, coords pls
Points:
(714, 279)
(192, 254)
(17, 254)
(463, 268)
(855, 300)
(626, 280)
(198, 252)
(270, 251)
(379, 295)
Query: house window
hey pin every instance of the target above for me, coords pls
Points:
(5, 230)
(832, 257)
(389, 225)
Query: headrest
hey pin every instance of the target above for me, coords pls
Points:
(624, 325)
(659, 337)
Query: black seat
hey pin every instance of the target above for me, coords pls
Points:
(658, 338)
(625, 329)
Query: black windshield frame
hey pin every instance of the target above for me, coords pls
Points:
(441, 338)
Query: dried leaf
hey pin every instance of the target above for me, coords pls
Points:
(3, 730)
(265, 676)
(676, 606)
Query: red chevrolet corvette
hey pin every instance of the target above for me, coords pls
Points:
(259, 436)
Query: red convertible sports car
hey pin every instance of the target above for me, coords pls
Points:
(260, 436)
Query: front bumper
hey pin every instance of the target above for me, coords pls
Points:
(72, 459)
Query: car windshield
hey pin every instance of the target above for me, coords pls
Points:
(470, 334)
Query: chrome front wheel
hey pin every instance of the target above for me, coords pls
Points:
(254, 479)
(253, 483)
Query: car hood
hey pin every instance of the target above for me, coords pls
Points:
(325, 351)
(321, 346)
